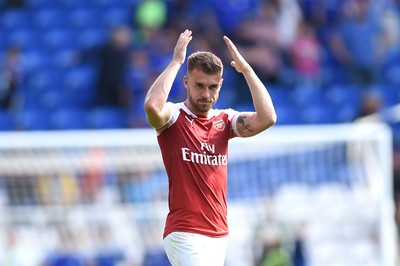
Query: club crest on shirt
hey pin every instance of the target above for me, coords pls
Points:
(219, 125)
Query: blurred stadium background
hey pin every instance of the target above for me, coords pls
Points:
(75, 193)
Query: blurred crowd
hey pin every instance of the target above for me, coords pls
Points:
(300, 49)
(90, 67)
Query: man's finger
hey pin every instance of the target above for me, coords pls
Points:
(228, 42)
(187, 33)
(227, 39)
(231, 46)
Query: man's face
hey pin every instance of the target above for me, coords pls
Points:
(202, 90)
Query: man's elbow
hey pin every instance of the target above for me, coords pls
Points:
(150, 107)
(274, 119)
(155, 114)
(267, 122)
(271, 120)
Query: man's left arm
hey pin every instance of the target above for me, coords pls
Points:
(252, 123)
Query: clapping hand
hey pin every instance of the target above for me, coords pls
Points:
(181, 46)
(239, 63)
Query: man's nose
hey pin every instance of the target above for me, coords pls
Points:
(206, 93)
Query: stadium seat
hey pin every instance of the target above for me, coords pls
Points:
(136, 116)
(287, 115)
(106, 118)
(79, 78)
(278, 94)
(12, 20)
(28, 99)
(43, 90)
(102, 3)
(116, 16)
(36, 60)
(56, 39)
(79, 83)
(244, 107)
(318, 114)
(6, 122)
(49, 18)
(389, 92)
(64, 258)
(390, 71)
(65, 57)
(156, 258)
(109, 258)
(3, 44)
(80, 18)
(91, 37)
(44, 80)
(347, 113)
(305, 95)
(107, 4)
(343, 94)
(39, 4)
(69, 4)
(68, 119)
(393, 74)
(22, 38)
(55, 98)
(33, 119)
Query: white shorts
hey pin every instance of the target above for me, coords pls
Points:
(188, 249)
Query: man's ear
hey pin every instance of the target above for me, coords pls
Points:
(186, 81)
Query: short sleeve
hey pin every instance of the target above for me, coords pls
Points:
(233, 116)
(174, 108)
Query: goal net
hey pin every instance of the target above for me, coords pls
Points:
(101, 196)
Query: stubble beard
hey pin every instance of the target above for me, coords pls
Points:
(201, 106)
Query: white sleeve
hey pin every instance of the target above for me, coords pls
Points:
(234, 124)
(174, 108)
(233, 116)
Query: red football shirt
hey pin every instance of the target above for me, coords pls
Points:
(195, 155)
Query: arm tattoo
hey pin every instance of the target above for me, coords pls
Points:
(241, 122)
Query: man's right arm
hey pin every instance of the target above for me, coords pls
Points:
(156, 110)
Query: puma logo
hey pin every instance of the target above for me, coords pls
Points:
(190, 120)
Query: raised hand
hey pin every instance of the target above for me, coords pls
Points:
(181, 46)
(239, 63)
